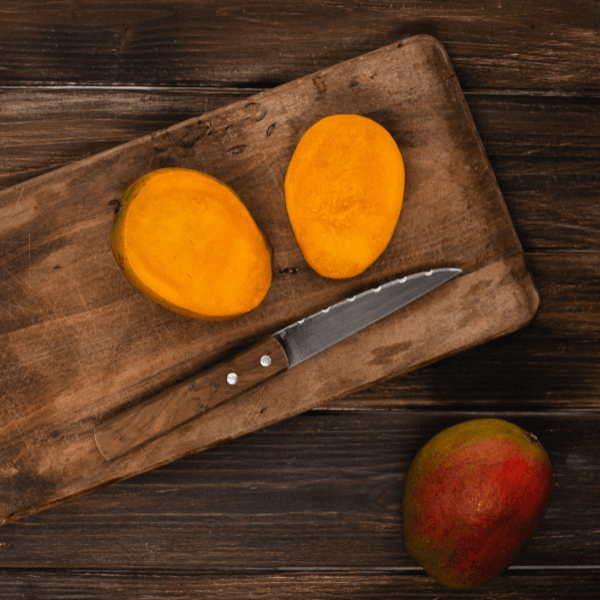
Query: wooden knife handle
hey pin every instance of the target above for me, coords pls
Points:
(180, 403)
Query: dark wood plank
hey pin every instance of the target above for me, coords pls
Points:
(546, 155)
(551, 363)
(43, 129)
(47, 584)
(504, 45)
(320, 491)
(545, 151)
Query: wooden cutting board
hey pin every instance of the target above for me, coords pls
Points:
(78, 343)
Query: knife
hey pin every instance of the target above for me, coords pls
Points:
(179, 404)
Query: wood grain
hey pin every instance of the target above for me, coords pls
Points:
(84, 584)
(552, 363)
(544, 150)
(321, 491)
(50, 127)
(504, 45)
(80, 343)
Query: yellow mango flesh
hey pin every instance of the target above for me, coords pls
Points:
(187, 241)
(344, 190)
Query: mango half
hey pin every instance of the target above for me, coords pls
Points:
(344, 189)
(472, 497)
(186, 240)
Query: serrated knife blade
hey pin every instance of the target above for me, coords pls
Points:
(181, 403)
(312, 335)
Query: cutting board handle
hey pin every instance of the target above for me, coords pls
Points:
(183, 402)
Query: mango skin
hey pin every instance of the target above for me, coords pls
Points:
(472, 497)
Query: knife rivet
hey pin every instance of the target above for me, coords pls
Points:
(232, 378)
(265, 360)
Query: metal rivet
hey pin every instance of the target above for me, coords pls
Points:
(232, 378)
(265, 360)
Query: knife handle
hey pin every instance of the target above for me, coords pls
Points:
(178, 404)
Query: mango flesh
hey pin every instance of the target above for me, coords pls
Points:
(344, 189)
(472, 497)
(186, 240)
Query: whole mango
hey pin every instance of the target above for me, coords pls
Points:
(472, 497)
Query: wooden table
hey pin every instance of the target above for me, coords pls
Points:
(312, 506)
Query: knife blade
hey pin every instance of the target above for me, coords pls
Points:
(181, 403)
